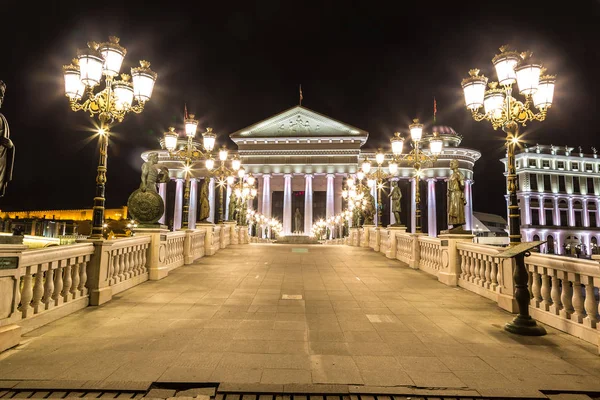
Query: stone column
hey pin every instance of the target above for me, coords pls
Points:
(266, 196)
(431, 212)
(193, 203)
(330, 205)
(338, 195)
(542, 211)
(287, 204)
(308, 204)
(597, 212)
(556, 212)
(162, 190)
(469, 205)
(227, 196)
(211, 200)
(571, 215)
(413, 206)
(178, 204)
(525, 210)
(586, 215)
(259, 195)
(374, 194)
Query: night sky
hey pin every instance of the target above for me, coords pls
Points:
(374, 65)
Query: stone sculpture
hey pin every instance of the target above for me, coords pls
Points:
(204, 202)
(298, 226)
(7, 148)
(396, 196)
(369, 209)
(456, 197)
(145, 204)
(232, 207)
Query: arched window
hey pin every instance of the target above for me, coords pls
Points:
(550, 244)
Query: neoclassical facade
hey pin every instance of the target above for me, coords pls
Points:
(301, 159)
(559, 196)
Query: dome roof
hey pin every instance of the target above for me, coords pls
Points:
(447, 134)
(443, 130)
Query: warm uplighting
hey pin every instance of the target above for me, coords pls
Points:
(416, 130)
(528, 74)
(505, 64)
(397, 144)
(393, 168)
(113, 55)
(436, 145)
(474, 89)
(208, 139)
(209, 163)
(542, 98)
(223, 153)
(191, 124)
(366, 166)
(171, 139)
(379, 157)
(143, 81)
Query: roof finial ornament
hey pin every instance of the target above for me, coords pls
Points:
(300, 103)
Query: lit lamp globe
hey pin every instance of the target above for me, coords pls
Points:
(493, 101)
(74, 88)
(245, 192)
(505, 64)
(528, 75)
(344, 194)
(143, 81)
(397, 144)
(241, 172)
(253, 192)
(191, 124)
(350, 181)
(236, 163)
(238, 192)
(208, 139)
(393, 168)
(123, 91)
(171, 139)
(365, 167)
(209, 163)
(379, 157)
(230, 179)
(113, 54)
(474, 89)
(416, 130)
(250, 179)
(360, 175)
(90, 64)
(435, 145)
(223, 153)
(542, 98)
(370, 182)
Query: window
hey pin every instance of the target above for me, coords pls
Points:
(590, 185)
(532, 163)
(564, 220)
(561, 183)
(593, 220)
(518, 164)
(575, 166)
(546, 164)
(589, 167)
(547, 183)
(535, 217)
(549, 217)
(533, 182)
(576, 188)
(560, 164)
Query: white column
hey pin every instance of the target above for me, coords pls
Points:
(556, 220)
(431, 212)
(178, 204)
(542, 211)
(211, 200)
(227, 195)
(413, 205)
(586, 215)
(374, 194)
(287, 204)
(266, 196)
(162, 190)
(308, 204)
(330, 205)
(597, 213)
(469, 205)
(193, 203)
(525, 210)
(337, 183)
(571, 212)
(259, 195)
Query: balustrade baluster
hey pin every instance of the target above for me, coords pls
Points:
(26, 293)
(555, 295)
(127, 264)
(579, 312)
(58, 281)
(546, 298)
(566, 297)
(487, 272)
(481, 265)
(75, 280)
(67, 282)
(48, 288)
(536, 288)
(111, 267)
(83, 277)
(493, 273)
(591, 308)
(38, 289)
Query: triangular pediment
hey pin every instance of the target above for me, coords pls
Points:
(299, 122)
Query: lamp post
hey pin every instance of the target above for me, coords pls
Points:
(378, 177)
(189, 153)
(102, 61)
(225, 175)
(244, 190)
(417, 158)
(506, 112)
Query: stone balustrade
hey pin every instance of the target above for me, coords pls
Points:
(38, 286)
(430, 254)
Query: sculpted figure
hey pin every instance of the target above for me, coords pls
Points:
(456, 196)
(7, 149)
(145, 204)
(204, 201)
(232, 206)
(396, 196)
(369, 210)
(151, 174)
(298, 227)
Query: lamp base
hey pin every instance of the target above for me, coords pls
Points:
(525, 325)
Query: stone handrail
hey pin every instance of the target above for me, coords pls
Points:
(564, 294)
(174, 250)
(404, 247)
(430, 254)
(127, 264)
(47, 281)
(384, 240)
(194, 245)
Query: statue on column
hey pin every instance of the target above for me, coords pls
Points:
(145, 204)
(369, 207)
(232, 206)
(456, 197)
(7, 149)
(298, 225)
(204, 202)
(396, 196)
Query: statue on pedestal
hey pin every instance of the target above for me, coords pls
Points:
(232, 206)
(298, 225)
(145, 204)
(456, 197)
(396, 196)
(7, 149)
(204, 202)
(369, 209)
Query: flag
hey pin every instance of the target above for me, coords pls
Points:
(301, 95)
(434, 109)
(185, 114)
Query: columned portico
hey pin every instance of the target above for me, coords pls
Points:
(287, 204)
(431, 212)
(193, 203)
(177, 215)
(162, 190)
(308, 203)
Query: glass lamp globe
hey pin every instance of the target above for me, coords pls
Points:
(528, 74)
(350, 181)
(143, 81)
(230, 179)
(223, 153)
(209, 163)
(237, 192)
(191, 124)
(253, 192)
(474, 89)
(416, 130)
(436, 145)
(344, 194)
(123, 91)
(208, 139)
(366, 166)
(171, 139)
(74, 88)
(113, 54)
(397, 144)
(236, 163)
(361, 175)
(250, 179)
(542, 98)
(493, 102)
(505, 64)
(370, 182)
(393, 168)
(241, 172)
(90, 64)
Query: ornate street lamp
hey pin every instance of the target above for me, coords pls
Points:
(225, 176)
(110, 104)
(244, 190)
(378, 176)
(506, 112)
(417, 158)
(190, 154)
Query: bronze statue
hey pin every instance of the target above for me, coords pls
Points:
(396, 196)
(204, 202)
(456, 197)
(298, 226)
(7, 148)
(232, 206)
(145, 204)
(369, 209)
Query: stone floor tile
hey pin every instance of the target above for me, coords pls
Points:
(436, 379)
(286, 376)
(376, 362)
(334, 369)
(387, 377)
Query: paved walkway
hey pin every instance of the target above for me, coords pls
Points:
(284, 314)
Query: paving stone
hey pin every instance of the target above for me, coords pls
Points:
(161, 393)
(194, 392)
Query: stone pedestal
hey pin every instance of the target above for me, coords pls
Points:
(209, 249)
(243, 234)
(450, 270)
(391, 253)
(158, 252)
(366, 236)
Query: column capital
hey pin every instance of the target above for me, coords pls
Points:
(330, 175)
(179, 179)
(287, 175)
(306, 176)
(431, 180)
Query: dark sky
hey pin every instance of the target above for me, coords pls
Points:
(374, 65)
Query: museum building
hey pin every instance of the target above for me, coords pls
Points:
(301, 158)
